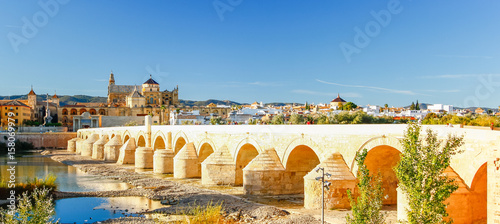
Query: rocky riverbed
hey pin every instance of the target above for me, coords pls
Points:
(183, 195)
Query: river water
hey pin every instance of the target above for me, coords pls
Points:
(78, 210)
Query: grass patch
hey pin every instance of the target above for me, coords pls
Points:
(29, 184)
(198, 214)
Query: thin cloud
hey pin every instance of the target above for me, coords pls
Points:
(456, 76)
(406, 92)
(257, 83)
(442, 91)
(309, 92)
(463, 56)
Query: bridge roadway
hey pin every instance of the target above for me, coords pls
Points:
(280, 159)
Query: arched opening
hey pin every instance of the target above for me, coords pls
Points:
(112, 136)
(179, 144)
(102, 112)
(159, 143)
(92, 112)
(82, 111)
(301, 161)
(381, 160)
(126, 138)
(205, 150)
(141, 142)
(65, 111)
(246, 153)
(73, 111)
(479, 195)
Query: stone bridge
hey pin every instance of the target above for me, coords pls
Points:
(281, 159)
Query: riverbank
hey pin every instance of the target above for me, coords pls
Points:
(179, 196)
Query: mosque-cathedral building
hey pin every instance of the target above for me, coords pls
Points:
(124, 103)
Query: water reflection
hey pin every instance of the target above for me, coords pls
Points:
(69, 178)
(88, 210)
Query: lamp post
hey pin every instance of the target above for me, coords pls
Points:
(324, 184)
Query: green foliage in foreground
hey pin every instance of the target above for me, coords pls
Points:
(37, 207)
(366, 207)
(468, 119)
(420, 174)
(29, 185)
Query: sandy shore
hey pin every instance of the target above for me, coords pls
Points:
(181, 194)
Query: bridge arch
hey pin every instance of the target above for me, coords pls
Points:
(159, 141)
(245, 152)
(205, 148)
(301, 160)
(383, 155)
(479, 194)
(180, 139)
(141, 140)
(295, 143)
(126, 136)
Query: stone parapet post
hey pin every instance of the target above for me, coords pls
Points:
(186, 162)
(263, 175)
(341, 180)
(112, 149)
(218, 168)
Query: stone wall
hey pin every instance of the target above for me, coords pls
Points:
(45, 140)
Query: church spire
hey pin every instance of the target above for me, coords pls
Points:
(111, 78)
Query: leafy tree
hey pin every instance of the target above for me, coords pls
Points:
(297, 119)
(215, 120)
(349, 106)
(366, 207)
(420, 174)
(307, 106)
(412, 106)
(417, 106)
(278, 119)
(386, 106)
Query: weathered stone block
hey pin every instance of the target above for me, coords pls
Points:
(72, 145)
(98, 148)
(144, 158)
(112, 149)
(88, 145)
(163, 161)
(218, 168)
(127, 153)
(186, 162)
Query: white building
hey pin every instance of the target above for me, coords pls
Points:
(440, 108)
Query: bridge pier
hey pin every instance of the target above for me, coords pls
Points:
(163, 159)
(79, 145)
(127, 152)
(262, 175)
(112, 149)
(218, 168)
(89, 144)
(144, 155)
(186, 162)
(342, 180)
(493, 195)
(72, 145)
(98, 148)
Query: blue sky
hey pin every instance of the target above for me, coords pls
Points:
(371, 52)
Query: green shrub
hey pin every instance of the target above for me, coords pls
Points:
(367, 206)
(37, 207)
